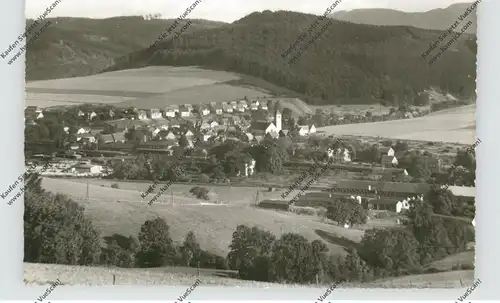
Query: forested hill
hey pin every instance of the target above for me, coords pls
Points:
(439, 19)
(72, 47)
(348, 63)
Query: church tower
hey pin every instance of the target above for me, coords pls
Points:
(278, 120)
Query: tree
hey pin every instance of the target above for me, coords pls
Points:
(353, 268)
(295, 260)
(442, 200)
(346, 211)
(183, 141)
(156, 248)
(393, 249)
(56, 229)
(190, 250)
(248, 244)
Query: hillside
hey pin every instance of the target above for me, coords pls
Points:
(81, 46)
(348, 63)
(438, 19)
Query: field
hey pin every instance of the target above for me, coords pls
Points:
(451, 125)
(54, 99)
(123, 211)
(44, 274)
(144, 88)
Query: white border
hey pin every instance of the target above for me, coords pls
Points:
(488, 207)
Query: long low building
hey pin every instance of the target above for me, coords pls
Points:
(380, 188)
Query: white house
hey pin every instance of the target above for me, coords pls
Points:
(312, 129)
(92, 115)
(243, 103)
(340, 154)
(155, 132)
(234, 104)
(254, 107)
(170, 136)
(142, 115)
(228, 109)
(263, 105)
(205, 111)
(240, 108)
(155, 113)
(218, 110)
(214, 124)
(303, 130)
(83, 130)
(188, 134)
(185, 112)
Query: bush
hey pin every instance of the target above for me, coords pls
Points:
(115, 185)
(57, 231)
(200, 192)
(204, 178)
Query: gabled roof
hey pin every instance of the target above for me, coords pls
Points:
(259, 125)
(384, 201)
(384, 149)
(388, 158)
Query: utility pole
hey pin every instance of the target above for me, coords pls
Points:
(172, 195)
(87, 191)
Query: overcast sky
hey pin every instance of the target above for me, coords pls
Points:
(219, 10)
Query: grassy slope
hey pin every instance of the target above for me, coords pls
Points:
(438, 19)
(348, 63)
(212, 224)
(80, 46)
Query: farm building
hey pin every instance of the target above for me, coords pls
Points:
(274, 204)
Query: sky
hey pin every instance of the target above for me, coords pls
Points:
(217, 10)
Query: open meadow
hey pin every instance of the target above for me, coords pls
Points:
(452, 125)
(45, 274)
(149, 87)
(123, 211)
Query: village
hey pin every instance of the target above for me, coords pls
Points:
(98, 138)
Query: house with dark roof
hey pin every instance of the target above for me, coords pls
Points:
(386, 151)
(389, 161)
(274, 204)
(262, 128)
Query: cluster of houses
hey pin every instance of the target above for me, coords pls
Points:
(159, 134)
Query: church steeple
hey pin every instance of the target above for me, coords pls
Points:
(277, 121)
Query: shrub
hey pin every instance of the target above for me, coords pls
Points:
(204, 178)
(115, 185)
(200, 192)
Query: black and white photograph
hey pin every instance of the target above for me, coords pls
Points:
(327, 144)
